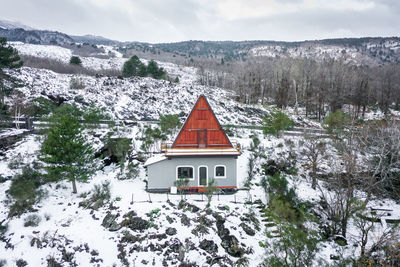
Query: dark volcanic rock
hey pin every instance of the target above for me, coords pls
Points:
(136, 223)
(229, 242)
(247, 229)
(209, 246)
(110, 223)
(187, 206)
(171, 231)
(185, 220)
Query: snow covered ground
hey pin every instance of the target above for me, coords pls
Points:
(71, 228)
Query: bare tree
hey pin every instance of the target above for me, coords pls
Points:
(313, 151)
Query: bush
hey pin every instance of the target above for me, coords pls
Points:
(76, 83)
(21, 263)
(93, 114)
(100, 195)
(276, 122)
(336, 121)
(119, 147)
(277, 188)
(42, 106)
(32, 220)
(169, 123)
(75, 60)
(25, 191)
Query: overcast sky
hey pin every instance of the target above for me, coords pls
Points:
(178, 20)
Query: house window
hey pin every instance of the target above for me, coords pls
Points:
(220, 171)
(184, 172)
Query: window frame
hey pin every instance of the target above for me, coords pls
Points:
(215, 172)
(187, 166)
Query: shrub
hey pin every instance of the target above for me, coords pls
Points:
(336, 121)
(93, 114)
(25, 191)
(277, 188)
(21, 263)
(100, 195)
(32, 220)
(276, 122)
(132, 171)
(119, 147)
(42, 106)
(75, 60)
(76, 83)
(169, 123)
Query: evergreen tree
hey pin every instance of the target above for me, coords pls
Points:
(9, 59)
(134, 67)
(65, 148)
(154, 71)
(75, 60)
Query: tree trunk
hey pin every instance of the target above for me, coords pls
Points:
(314, 180)
(74, 191)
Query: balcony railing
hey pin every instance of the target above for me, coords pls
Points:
(167, 145)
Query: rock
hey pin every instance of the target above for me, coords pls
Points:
(247, 229)
(187, 206)
(110, 223)
(209, 246)
(144, 262)
(181, 254)
(229, 242)
(185, 220)
(174, 246)
(171, 231)
(137, 223)
(130, 214)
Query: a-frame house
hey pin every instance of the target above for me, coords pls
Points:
(201, 152)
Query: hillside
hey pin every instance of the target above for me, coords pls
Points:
(113, 221)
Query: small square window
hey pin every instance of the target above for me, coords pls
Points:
(220, 171)
(185, 172)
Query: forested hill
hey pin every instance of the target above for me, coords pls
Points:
(366, 51)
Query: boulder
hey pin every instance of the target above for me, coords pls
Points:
(209, 246)
(248, 230)
(171, 231)
(110, 223)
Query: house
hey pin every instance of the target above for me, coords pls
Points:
(201, 152)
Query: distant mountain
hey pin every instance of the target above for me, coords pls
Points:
(8, 24)
(36, 36)
(93, 39)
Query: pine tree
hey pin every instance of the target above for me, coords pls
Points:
(65, 148)
(75, 60)
(9, 59)
(134, 67)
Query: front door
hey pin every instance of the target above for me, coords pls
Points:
(203, 176)
(202, 138)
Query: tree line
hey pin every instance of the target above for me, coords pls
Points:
(318, 86)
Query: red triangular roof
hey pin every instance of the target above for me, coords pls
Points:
(202, 129)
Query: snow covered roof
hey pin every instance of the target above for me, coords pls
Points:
(154, 159)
